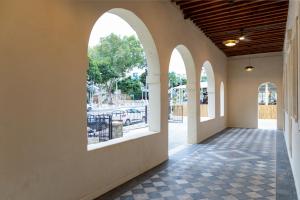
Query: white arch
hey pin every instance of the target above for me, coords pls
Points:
(222, 99)
(153, 78)
(191, 92)
(263, 83)
(270, 83)
(210, 88)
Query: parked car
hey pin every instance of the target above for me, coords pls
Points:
(128, 116)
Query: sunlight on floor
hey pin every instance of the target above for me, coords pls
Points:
(203, 119)
(267, 124)
(177, 134)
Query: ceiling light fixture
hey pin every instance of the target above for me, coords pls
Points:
(242, 37)
(249, 67)
(230, 43)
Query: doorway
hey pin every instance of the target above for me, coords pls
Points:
(182, 114)
(267, 106)
(178, 99)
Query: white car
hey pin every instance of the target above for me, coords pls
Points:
(128, 116)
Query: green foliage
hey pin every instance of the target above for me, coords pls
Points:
(94, 72)
(132, 87)
(176, 80)
(116, 56)
(143, 77)
(112, 58)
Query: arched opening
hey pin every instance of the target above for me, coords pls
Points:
(182, 103)
(222, 99)
(122, 76)
(207, 92)
(267, 106)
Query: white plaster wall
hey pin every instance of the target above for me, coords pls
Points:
(243, 87)
(43, 59)
(293, 142)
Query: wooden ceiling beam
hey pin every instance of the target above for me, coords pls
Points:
(253, 49)
(273, 13)
(273, 26)
(255, 30)
(236, 48)
(250, 35)
(238, 27)
(228, 8)
(244, 22)
(240, 15)
(189, 3)
(201, 8)
(249, 32)
(202, 5)
(251, 42)
(263, 22)
(251, 45)
(256, 7)
(255, 40)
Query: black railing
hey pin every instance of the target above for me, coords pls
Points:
(100, 126)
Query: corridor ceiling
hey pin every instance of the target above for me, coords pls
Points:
(262, 22)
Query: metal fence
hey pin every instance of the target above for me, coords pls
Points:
(100, 126)
(176, 113)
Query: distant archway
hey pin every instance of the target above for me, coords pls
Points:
(267, 106)
(222, 99)
(207, 92)
(186, 97)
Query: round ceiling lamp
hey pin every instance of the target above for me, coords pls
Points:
(249, 67)
(230, 43)
(242, 37)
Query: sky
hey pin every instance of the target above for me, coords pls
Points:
(176, 63)
(109, 23)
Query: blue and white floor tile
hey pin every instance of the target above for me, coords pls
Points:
(234, 164)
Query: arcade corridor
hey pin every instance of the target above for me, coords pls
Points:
(234, 164)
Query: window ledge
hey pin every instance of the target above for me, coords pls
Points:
(135, 134)
(205, 119)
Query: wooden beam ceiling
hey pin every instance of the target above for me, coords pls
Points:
(263, 23)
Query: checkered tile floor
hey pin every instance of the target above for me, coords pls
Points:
(235, 164)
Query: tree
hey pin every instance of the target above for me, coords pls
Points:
(112, 58)
(132, 87)
(143, 77)
(176, 80)
(93, 72)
